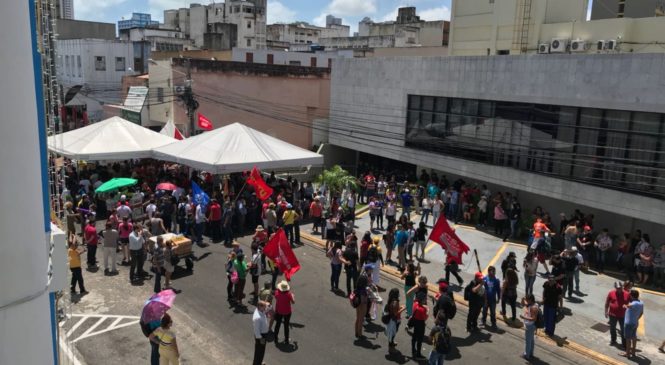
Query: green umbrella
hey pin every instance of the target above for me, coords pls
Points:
(115, 184)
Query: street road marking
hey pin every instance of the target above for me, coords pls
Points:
(116, 324)
(496, 257)
(431, 245)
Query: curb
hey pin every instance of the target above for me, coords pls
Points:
(433, 289)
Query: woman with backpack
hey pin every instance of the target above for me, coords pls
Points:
(530, 316)
(440, 337)
(393, 312)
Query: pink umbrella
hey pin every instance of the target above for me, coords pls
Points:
(166, 186)
(155, 307)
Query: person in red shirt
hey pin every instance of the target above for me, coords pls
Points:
(316, 213)
(283, 300)
(418, 318)
(539, 228)
(615, 310)
(124, 230)
(92, 240)
(215, 220)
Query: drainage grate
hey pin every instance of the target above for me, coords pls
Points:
(601, 327)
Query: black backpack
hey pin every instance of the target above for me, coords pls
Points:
(441, 339)
(540, 319)
(372, 254)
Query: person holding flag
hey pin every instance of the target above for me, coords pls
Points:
(445, 236)
(201, 199)
(279, 251)
(263, 190)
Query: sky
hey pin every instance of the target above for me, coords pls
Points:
(311, 11)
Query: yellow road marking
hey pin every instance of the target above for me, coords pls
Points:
(496, 257)
(640, 324)
(431, 245)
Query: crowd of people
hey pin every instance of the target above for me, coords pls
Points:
(128, 219)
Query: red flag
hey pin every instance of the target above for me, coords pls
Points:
(444, 235)
(204, 123)
(280, 252)
(177, 135)
(263, 191)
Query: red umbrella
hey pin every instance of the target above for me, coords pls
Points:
(166, 186)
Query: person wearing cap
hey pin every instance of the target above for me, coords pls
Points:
(444, 302)
(284, 298)
(615, 311)
(420, 312)
(552, 294)
(509, 263)
(474, 293)
(492, 295)
(289, 217)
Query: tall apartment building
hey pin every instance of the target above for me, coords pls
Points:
(549, 26)
(64, 9)
(234, 23)
(607, 9)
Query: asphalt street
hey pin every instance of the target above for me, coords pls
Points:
(211, 332)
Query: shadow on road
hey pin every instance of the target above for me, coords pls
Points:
(365, 343)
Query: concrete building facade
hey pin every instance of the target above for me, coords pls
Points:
(138, 20)
(282, 101)
(559, 131)
(547, 26)
(78, 29)
(427, 33)
(159, 39)
(275, 57)
(64, 9)
(248, 16)
(299, 33)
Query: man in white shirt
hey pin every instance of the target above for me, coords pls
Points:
(137, 245)
(199, 220)
(260, 323)
(150, 209)
(123, 211)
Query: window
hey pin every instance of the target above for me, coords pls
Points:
(249, 24)
(271, 59)
(294, 63)
(249, 57)
(312, 61)
(67, 65)
(120, 64)
(249, 42)
(78, 65)
(329, 62)
(160, 94)
(614, 149)
(100, 63)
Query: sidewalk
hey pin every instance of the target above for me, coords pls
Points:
(584, 328)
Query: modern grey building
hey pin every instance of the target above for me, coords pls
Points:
(606, 9)
(563, 131)
(64, 9)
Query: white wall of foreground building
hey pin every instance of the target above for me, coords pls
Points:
(369, 108)
(26, 321)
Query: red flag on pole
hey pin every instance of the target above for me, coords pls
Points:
(263, 191)
(445, 236)
(177, 135)
(280, 252)
(204, 123)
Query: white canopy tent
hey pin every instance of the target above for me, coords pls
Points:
(236, 148)
(111, 139)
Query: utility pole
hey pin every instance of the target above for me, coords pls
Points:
(188, 97)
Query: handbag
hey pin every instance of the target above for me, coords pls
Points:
(234, 277)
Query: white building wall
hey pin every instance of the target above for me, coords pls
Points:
(27, 326)
(88, 73)
(287, 58)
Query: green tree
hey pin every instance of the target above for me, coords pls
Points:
(336, 179)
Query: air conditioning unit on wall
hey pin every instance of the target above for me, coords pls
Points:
(558, 45)
(578, 45)
(544, 48)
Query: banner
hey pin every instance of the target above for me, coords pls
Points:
(200, 196)
(204, 123)
(445, 236)
(263, 191)
(280, 252)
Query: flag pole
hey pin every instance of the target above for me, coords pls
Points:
(238, 194)
(475, 252)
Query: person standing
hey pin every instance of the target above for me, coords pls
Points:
(500, 219)
(111, 237)
(362, 298)
(474, 293)
(603, 243)
(75, 266)
(437, 208)
(158, 259)
(137, 244)
(426, 206)
(452, 268)
(227, 222)
(509, 293)
(409, 276)
(407, 202)
(394, 311)
(529, 317)
(401, 238)
(335, 255)
(215, 220)
(316, 213)
(492, 295)
(421, 240)
(124, 230)
(615, 312)
(260, 325)
(350, 260)
(391, 212)
(165, 338)
(570, 265)
(515, 216)
(419, 317)
(444, 302)
(552, 294)
(240, 267)
(91, 240)
(284, 298)
(530, 266)
(634, 311)
(440, 340)
(289, 217)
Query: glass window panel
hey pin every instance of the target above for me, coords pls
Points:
(486, 109)
(618, 122)
(587, 141)
(456, 106)
(439, 125)
(414, 102)
(642, 156)
(428, 103)
(441, 105)
(470, 107)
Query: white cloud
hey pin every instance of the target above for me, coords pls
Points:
(278, 13)
(351, 7)
(320, 20)
(93, 10)
(439, 13)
